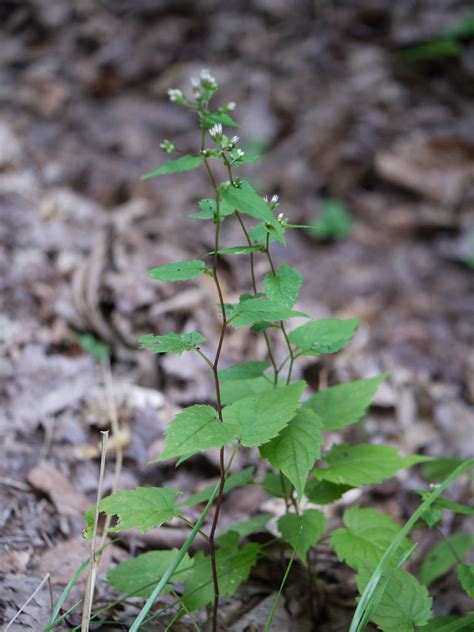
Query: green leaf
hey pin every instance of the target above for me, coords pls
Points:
(256, 309)
(176, 165)
(404, 605)
(363, 464)
(97, 349)
(296, 448)
(138, 577)
(196, 429)
(283, 287)
(256, 524)
(326, 335)
(259, 234)
(256, 419)
(334, 223)
(439, 469)
(143, 507)
(445, 555)
(233, 390)
(172, 343)
(180, 271)
(233, 567)
(208, 119)
(449, 624)
(244, 371)
(277, 485)
(209, 209)
(344, 404)
(239, 479)
(302, 531)
(248, 202)
(445, 503)
(239, 250)
(324, 492)
(89, 517)
(466, 577)
(367, 536)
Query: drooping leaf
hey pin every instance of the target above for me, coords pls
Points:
(180, 271)
(256, 524)
(233, 390)
(302, 531)
(233, 567)
(326, 335)
(405, 604)
(172, 343)
(444, 556)
(239, 479)
(208, 210)
(254, 310)
(176, 165)
(244, 371)
(367, 535)
(138, 577)
(246, 200)
(283, 287)
(256, 419)
(344, 404)
(363, 464)
(296, 448)
(324, 492)
(196, 429)
(466, 577)
(277, 485)
(143, 507)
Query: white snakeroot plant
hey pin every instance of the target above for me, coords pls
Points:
(259, 405)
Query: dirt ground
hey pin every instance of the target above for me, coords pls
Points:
(338, 110)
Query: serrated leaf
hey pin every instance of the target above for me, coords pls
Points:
(296, 448)
(256, 524)
(363, 464)
(176, 165)
(172, 343)
(238, 479)
(324, 492)
(196, 429)
(143, 508)
(344, 404)
(256, 309)
(208, 119)
(367, 536)
(246, 370)
(283, 286)
(445, 555)
(256, 419)
(277, 485)
(404, 605)
(233, 567)
(138, 577)
(246, 200)
(180, 271)
(325, 335)
(302, 531)
(208, 210)
(233, 390)
(466, 577)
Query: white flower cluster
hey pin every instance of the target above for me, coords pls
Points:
(273, 201)
(216, 131)
(175, 95)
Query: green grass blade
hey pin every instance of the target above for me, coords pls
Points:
(366, 602)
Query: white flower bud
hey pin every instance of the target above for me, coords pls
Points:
(275, 199)
(216, 130)
(174, 94)
(234, 140)
(206, 76)
(231, 106)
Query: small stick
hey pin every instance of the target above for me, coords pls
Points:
(94, 560)
(30, 598)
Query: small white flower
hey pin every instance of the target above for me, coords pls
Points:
(174, 94)
(231, 106)
(206, 76)
(275, 199)
(265, 197)
(240, 153)
(216, 130)
(195, 82)
(234, 140)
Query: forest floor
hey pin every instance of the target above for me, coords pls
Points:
(338, 111)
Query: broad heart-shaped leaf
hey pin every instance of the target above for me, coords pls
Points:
(445, 555)
(176, 165)
(143, 507)
(246, 200)
(405, 604)
(326, 335)
(238, 479)
(344, 404)
(367, 536)
(233, 567)
(180, 271)
(172, 343)
(139, 576)
(233, 390)
(363, 464)
(208, 210)
(256, 419)
(244, 371)
(283, 286)
(302, 531)
(296, 448)
(253, 310)
(196, 429)
(466, 577)
(324, 492)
